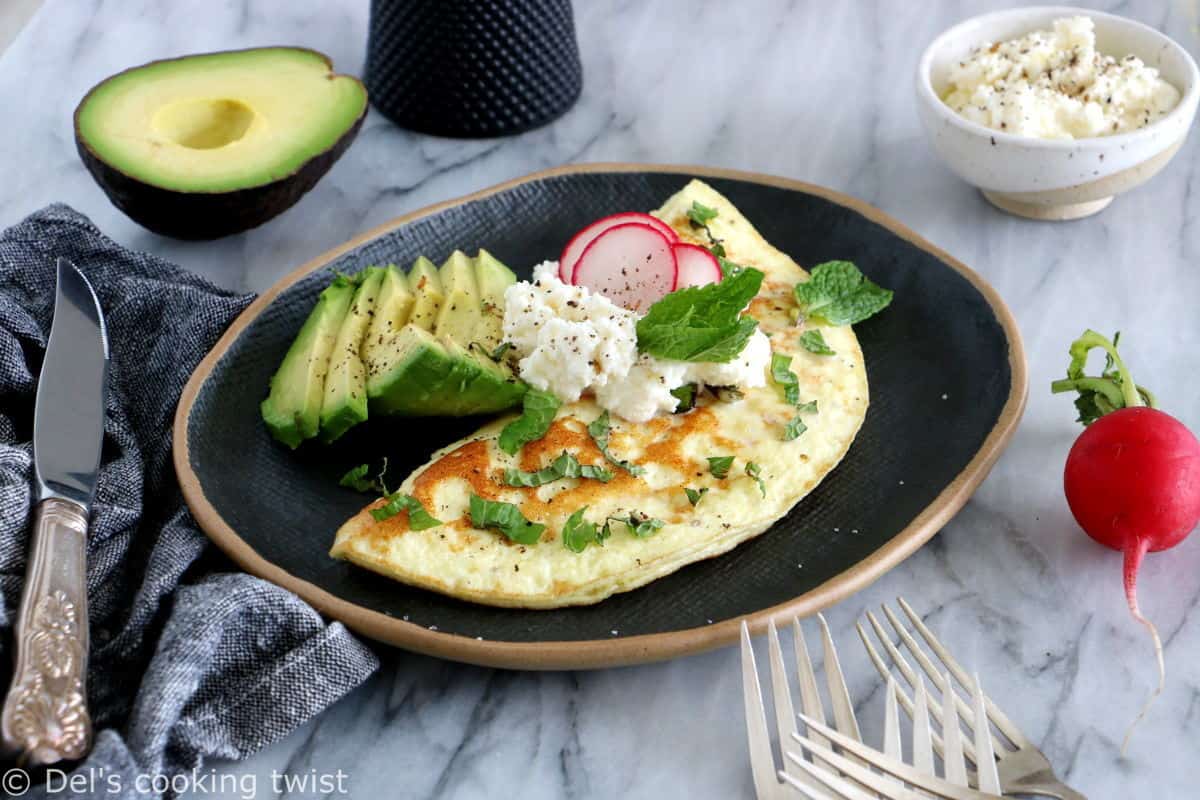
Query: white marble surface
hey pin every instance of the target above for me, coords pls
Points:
(817, 91)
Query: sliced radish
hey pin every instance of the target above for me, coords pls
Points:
(695, 266)
(574, 249)
(630, 264)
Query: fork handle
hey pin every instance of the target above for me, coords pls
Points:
(45, 717)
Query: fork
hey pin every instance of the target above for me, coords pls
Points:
(849, 774)
(1023, 769)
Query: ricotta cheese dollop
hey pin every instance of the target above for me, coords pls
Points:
(1055, 85)
(571, 341)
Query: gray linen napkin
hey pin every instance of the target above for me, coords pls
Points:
(188, 659)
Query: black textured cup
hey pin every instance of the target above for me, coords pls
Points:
(472, 68)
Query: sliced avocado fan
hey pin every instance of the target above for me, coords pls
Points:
(386, 343)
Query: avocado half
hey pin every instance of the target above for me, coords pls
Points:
(206, 145)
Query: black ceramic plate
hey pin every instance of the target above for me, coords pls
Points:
(947, 379)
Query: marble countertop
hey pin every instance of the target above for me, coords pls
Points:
(819, 92)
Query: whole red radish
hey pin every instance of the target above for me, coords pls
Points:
(1132, 477)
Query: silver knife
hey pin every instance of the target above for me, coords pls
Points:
(45, 717)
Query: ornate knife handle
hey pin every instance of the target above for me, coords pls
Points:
(45, 717)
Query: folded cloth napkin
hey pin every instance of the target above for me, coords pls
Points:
(189, 659)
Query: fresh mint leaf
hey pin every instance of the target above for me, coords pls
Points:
(418, 518)
(578, 533)
(755, 471)
(838, 293)
(701, 323)
(537, 414)
(599, 429)
(565, 466)
(814, 342)
(807, 408)
(717, 249)
(794, 428)
(719, 465)
(694, 496)
(686, 395)
(700, 215)
(506, 518)
(499, 352)
(787, 380)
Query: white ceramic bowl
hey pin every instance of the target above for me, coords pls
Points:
(1052, 178)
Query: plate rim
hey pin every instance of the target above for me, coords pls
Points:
(618, 651)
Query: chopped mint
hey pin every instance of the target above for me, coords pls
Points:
(838, 293)
(728, 268)
(701, 323)
(639, 524)
(787, 380)
(719, 465)
(599, 429)
(499, 352)
(807, 408)
(686, 395)
(536, 416)
(506, 518)
(700, 214)
(814, 342)
(794, 428)
(578, 533)
(418, 518)
(357, 479)
(694, 495)
(1112, 389)
(755, 471)
(565, 466)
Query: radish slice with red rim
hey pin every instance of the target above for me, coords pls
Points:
(631, 264)
(695, 266)
(580, 241)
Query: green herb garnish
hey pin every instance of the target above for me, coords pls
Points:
(794, 428)
(838, 293)
(499, 352)
(701, 323)
(506, 518)
(577, 533)
(537, 414)
(694, 496)
(787, 380)
(719, 465)
(357, 479)
(565, 466)
(686, 395)
(1112, 389)
(700, 214)
(599, 429)
(755, 471)
(638, 524)
(418, 518)
(814, 342)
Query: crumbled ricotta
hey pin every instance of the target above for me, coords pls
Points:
(1055, 85)
(571, 341)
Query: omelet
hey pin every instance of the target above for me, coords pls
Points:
(484, 566)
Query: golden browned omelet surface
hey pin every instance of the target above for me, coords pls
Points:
(485, 567)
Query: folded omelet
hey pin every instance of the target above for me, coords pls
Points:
(486, 567)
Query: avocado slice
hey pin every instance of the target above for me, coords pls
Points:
(430, 376)
(345, 397)
(427, 293)
(493, 279)
(459, 314)
(392, 310)
(211, 144)
(292, 410)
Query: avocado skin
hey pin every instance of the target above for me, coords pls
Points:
(201, 216)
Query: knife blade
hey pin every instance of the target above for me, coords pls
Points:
(45, 717)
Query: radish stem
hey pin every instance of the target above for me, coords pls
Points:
(1133, 561)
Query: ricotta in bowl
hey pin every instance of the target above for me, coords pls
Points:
(1055, 84)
